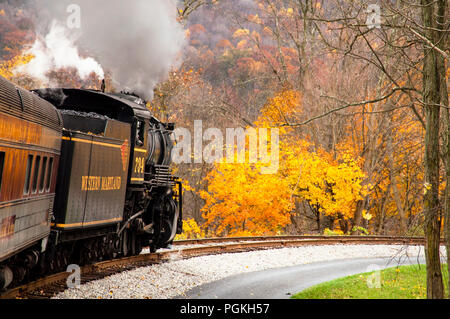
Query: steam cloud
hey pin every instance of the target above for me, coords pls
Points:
(138, 41)
(55, 51)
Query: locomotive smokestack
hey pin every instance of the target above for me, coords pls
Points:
(103, 88)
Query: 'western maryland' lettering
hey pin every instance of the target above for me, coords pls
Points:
(100, 183)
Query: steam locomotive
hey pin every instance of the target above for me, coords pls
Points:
(84, 176)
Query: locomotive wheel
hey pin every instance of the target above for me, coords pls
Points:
(62, 259)
(133, 244)
(112, 246)
(116, 247)
(58, 263)
(125, 245)
(96, 252)
(136, 245)
(86, 253)
(52, 266)
(66, 257)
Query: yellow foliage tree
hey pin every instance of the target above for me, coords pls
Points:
(191, 230)
(332, 187)
(280, 109)
(240, 200)
(7, 67)
(239, 33)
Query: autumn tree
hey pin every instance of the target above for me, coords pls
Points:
(259, 203)
(391, 49)
(434, 96)
(240, 201)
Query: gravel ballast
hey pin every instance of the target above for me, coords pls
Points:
(175, 277)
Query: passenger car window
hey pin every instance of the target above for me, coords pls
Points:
(49, 174)
(42, 176)
(26, 188)
(37, 164)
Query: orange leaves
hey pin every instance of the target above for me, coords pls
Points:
(239, 33)
(286, 13)
(242, 200)
(197, 29)
(256, 37)
(267, 31)
(7, 67)
(332, 186)
(224, 43)
(254, 18)
(241, 45)
(191, 230)
(284, 105)
(239, 199)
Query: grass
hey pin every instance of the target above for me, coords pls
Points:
(404, 282)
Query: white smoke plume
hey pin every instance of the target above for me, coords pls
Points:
(136, 41)
(58, 50)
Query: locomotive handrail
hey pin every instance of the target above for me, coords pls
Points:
(20, 98)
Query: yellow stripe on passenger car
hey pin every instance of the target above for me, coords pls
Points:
(88, 223)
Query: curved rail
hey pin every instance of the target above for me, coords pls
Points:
(288, 237)
(48, 286)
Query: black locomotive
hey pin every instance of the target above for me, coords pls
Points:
(84, 176)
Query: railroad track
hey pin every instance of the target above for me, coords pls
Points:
(388, 239)
(49, 286)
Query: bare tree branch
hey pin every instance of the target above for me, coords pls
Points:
(347, 105)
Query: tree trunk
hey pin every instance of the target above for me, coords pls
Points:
(383, 211)
(431, 203)
(357, 219)
(395, 191)
(442, 19)
(431, 98)
(444, 101)
(447, 193)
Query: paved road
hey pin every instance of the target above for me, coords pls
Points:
(281, 283)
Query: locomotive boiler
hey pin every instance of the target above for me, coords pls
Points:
(113, 192)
